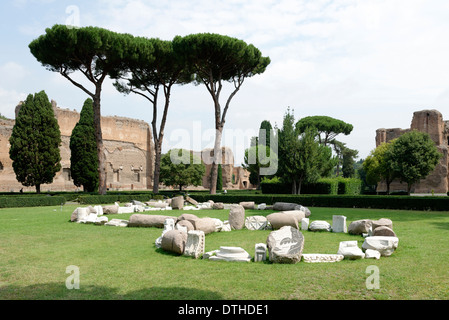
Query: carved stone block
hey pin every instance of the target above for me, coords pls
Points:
(195, 244)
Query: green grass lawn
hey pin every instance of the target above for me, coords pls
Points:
(38, 244)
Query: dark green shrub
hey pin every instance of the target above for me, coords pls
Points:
(349, 186)
(111, 198)
(322, 186)
(275, 186)
(337, 201)
(332, 186)
(32, 201)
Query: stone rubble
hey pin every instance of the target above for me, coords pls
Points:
(185, 234)
(234, 254)
(320, 225)
(359, 227)
(256, 223)
(285, 245)
(385, 245)
(237, 217)
(350, 250)
(372, 254)
(321, 257)
(260, 252)
(339, 224)
(117, 223)
(305, 224)
(195, 244)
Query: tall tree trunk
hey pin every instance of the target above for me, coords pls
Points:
(157, 166)
(294, 186)
(299, 186)
(215, 90)
(159, 136)
(216, 160)
(38, 188)
(102, 187)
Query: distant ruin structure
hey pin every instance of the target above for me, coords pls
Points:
(129, 149)
(431, 122)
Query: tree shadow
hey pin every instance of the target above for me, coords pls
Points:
(441, 225)
(58, 291)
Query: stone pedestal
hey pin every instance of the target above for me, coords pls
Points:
(231, 254)
(339, 224)
(195, 244)
(305, 224)
(260, 252)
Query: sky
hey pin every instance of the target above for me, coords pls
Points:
(371, 63)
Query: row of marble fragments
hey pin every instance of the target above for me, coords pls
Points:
(186, 234)
(284, 245)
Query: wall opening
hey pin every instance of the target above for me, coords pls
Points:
(136, 175)
(116, 175)
(67, 174)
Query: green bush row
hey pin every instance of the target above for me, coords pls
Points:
(31, 201)
(342, 201)
(338, 201)
(332, 186)
(349, 186)
(111, 198)
(322, 186)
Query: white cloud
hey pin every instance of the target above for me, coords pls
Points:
(8, 102)
(356, 60)
(12, 74)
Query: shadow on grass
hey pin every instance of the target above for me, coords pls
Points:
(441, 225)
(58, 291)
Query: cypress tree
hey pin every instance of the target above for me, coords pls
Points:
(35, 141)
(220, 178)
(83, 148)
(264, 136)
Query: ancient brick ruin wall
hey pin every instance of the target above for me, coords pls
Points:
(128, 147)
(129, 151)
(431, 122)
(7, 175)
(232, 177)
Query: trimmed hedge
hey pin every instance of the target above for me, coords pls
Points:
(322, 186)
(338, 201)
(349, 186)
(111, 198)
(269, 187)
(332, 186)
(31, 201)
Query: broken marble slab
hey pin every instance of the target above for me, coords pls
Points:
(321, 257)
(235, 254)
